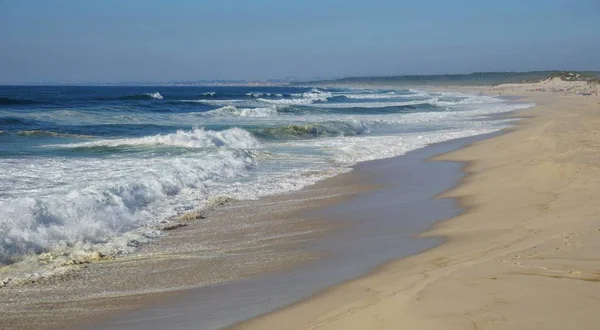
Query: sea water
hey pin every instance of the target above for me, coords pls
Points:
(105, 169)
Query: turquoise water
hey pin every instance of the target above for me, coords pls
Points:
(106, 168)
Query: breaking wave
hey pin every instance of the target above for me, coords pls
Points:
(106, 211)
(314, 96)
(255, 94)
(232, 111)
(196, 138)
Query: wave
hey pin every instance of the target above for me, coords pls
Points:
(12, 101)
(13, 121)
(463, 100)
(209, 94)
(433, 101)
(197, 138)
(141, 97)
(211, 102)
(95, 207)
(41, 133)
(155, 96)
(372, 104)
(314, 96)
(383, 96)
(374, 96)
(313, 130)
(231, 111)
(256, 94)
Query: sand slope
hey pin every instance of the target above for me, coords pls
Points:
(524, 256)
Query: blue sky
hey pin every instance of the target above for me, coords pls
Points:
(160, 40)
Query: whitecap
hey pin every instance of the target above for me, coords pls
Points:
(195, 138)
(232, 111)
(155, 96)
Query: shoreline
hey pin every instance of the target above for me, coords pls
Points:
(424, 291)
(141, 300)
(225, 304)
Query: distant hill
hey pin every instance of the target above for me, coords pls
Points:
(473, 79)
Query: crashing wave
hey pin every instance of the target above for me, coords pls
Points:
(231, 111)
(197, 138)
(209, 94)
(155, 96)
(314, 96)
(256, 94)
(110, 211)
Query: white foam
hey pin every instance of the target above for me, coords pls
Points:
(231, 111)
(315, 95)
(107, 205)
(371, 104)
(348, 151)
(196, 138)
(390, 95)
(257, 94)
(155, 96)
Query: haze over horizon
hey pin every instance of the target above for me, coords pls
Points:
(159, 40)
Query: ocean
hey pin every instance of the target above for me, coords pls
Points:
(100, 170)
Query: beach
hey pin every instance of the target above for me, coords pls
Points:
(522, 256)
(123, 205)
(285, 165)
(365, 249)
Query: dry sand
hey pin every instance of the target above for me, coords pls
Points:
(523, 256)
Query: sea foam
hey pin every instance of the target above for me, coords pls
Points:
(84, 204)
(232, 111)
(195, 138)
(313, 96)
(155, 96)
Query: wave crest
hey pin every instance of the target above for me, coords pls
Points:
(155, 96)
(314, 96)
(232, 111)
(112, 215)
(197, 138)
(257, 94)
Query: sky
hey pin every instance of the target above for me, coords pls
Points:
(184, 40)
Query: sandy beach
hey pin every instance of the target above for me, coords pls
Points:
(523, 255)
(520, 256)
(286, 165)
